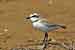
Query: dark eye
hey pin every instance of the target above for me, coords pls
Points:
(35, 16)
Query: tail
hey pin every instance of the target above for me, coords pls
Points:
(63, 26)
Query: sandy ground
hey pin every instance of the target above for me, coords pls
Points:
(12, 13)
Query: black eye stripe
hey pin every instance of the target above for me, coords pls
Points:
(35, 16)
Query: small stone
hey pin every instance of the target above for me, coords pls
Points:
(5, 30)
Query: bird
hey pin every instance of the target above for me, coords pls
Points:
(43, 25)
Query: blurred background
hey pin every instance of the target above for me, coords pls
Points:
(13, 12)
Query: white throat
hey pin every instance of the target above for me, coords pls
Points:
(34, 19)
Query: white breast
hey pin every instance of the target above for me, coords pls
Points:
(40, 26)
(37, 25)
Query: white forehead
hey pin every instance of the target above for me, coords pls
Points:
(34, 14)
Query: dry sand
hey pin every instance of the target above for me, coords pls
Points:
(12, 13)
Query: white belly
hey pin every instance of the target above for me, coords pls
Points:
(37, 25)
(40, 26)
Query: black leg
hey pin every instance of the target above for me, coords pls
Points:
(46, 36)
(45, 42)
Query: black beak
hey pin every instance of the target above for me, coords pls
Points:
(28, 18)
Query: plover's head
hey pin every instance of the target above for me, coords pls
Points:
(33, 17)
